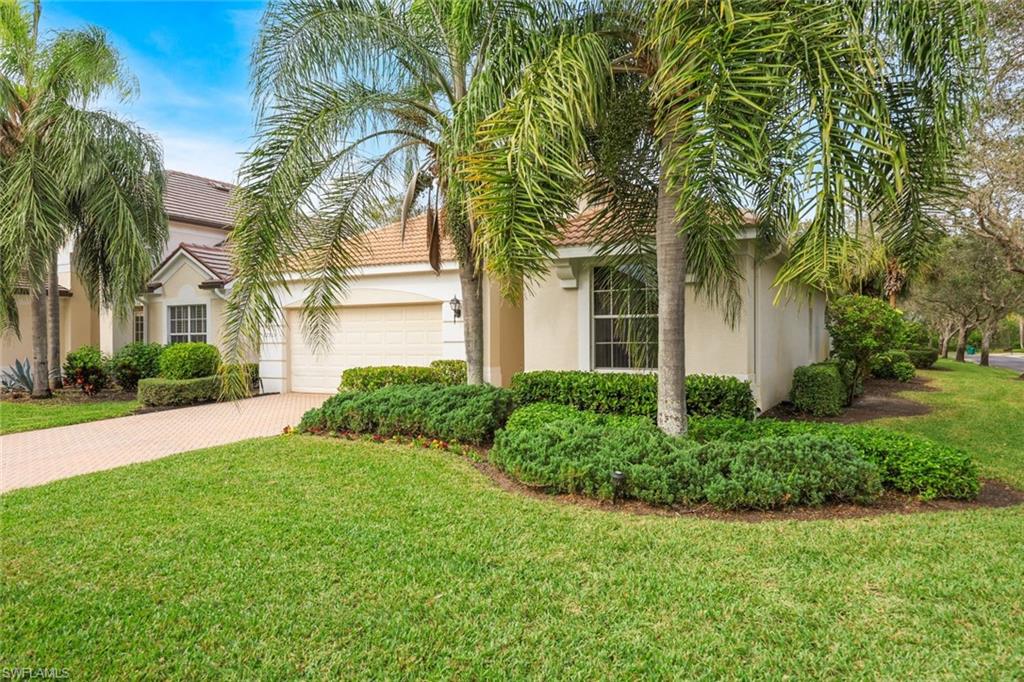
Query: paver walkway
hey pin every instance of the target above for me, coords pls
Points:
(35, 457)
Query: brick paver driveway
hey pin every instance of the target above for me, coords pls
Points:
(35, 457)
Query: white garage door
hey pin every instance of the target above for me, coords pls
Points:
(363, 336)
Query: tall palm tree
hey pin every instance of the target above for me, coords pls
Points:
(70, 172)
(365, 110)
(798, 114)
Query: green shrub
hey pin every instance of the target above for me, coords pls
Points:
(632, 394)
(910, 464)
(577, 452)
(893, 364)
(535, 415)
(372, 378)
(450, 372)
(852, 381)
(135, 361)
(86, 368)
(806, 470)
(818, 390)
(470, 414)
(923, 358)
(189, 361)
(159, 392)
(861, 327)
(913, 335)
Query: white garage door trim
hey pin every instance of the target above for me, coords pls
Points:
(364, 336)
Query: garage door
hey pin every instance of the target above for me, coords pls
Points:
(363, 336)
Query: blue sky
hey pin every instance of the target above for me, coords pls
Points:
(191, 60)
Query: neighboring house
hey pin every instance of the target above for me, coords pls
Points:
(398, 311)
(186, 293)
(199, 216)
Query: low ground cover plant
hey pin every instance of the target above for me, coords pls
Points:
(580, 453)
(909, 464)
(470, 414)
(189, 361)
(450, 372)
(633, 394)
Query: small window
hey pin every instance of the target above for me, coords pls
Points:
(625, 319)
(139, 330)
(186, 323)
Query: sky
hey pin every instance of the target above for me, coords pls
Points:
(191, 60)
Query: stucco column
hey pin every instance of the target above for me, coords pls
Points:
(503, 337)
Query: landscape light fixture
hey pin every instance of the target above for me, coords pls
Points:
(618, 479)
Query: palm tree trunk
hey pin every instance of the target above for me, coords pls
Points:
(961, 343)
(1020, 330)
(40, 375)
(473, 322)
(671, 259)
(53, 293)
(986, 343)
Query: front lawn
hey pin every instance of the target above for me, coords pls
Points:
(29, 415)
(304, 556)
(980, 409)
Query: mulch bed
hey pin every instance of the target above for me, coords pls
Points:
(994, 494)
(72, 394)
(878, 402)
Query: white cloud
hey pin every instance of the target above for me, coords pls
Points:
(209, 156)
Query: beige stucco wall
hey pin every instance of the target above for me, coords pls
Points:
(766, 342)
(557, 332)
(503, 336)
(181, 287)
(550, 326)
(790, 333)
(78, 324)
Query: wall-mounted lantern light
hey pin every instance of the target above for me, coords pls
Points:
(456, 306)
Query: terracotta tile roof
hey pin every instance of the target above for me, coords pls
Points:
(216, 259)
(22, 287)
(385, 246)
(194, 199)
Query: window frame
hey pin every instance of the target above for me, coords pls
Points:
(139, 314)
(593, 316)
(190, 335)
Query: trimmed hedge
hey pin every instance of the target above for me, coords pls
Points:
(923, 358)
(189, 361)
(450, 372)
(135, 361)
(818, 390)
(372, 378)
(893, 364)
(633, 394)
(578, 453)
(469, 414)
(910, 464)
(160, 392)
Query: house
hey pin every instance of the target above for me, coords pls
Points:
(199, 217)
(398, 311)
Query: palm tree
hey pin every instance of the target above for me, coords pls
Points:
(798, 115)
(69, 172)
(365, 109)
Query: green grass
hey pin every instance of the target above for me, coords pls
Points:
(297, 556)
(44, 414)
(294, 556)
(980, 409)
